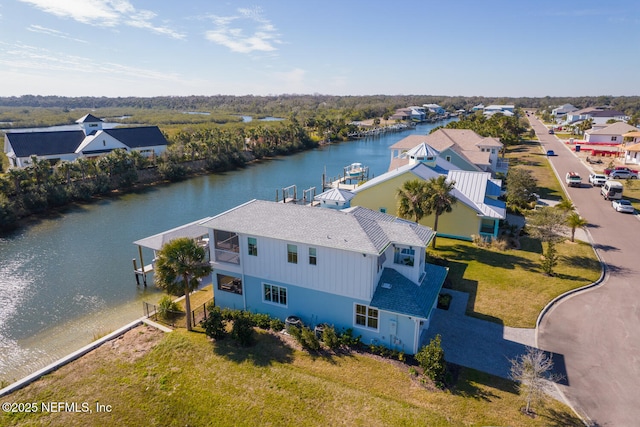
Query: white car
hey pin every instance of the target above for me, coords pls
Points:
(597, 179)
(622, 205)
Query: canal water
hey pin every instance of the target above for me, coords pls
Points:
(67, 281)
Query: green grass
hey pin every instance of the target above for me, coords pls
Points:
(530, 156)
(188, 380)
(509, 287)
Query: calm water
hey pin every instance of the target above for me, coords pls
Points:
(68, 280)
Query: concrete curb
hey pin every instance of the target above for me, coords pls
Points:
(69, 358)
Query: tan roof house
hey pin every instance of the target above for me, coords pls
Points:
(611, 134)
(463, 147)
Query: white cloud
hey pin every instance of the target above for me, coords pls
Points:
(105, 13)
(31, 59)
(246, 32)
(52, 32)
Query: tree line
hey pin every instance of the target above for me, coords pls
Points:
(282, 105)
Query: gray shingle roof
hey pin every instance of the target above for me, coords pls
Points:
(25, 144)
(358, 230)
(53, 143)
(404, 296)
(144, 136)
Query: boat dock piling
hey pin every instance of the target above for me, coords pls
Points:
(290, 195)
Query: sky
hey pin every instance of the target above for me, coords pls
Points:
(492, 48)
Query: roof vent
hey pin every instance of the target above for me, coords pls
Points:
(386, 285)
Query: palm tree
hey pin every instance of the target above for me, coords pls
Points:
(438, 200)
(575, 221)
(179, 265)
(17, 176)
(411, 198)
(566, 206)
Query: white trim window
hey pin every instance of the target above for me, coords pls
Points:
(292, 254)
(274, 294)
(252, 246)
(313, 256)
(366, 317)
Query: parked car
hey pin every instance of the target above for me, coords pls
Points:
(550, 153)
(573, 179)
(551, 132)
(622, 205)
(611, 190)
(608, 171)
(597, 179)
(623, 174)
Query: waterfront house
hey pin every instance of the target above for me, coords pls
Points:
(415, 113)
(463, 147)
(434, 108)
(355, 268)
(91, 140)
(476, 212)
(609, 134)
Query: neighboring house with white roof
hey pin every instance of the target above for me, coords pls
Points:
(563, 110)
(609, 134)
(507, 110)
(463, 147)
(334, 198)
(91, 140)
(476, 212)
(598, 115)
(355, 268)
(434, 108)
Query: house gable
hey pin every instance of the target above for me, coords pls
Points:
(99, 143)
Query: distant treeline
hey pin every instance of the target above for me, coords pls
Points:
(355, 107)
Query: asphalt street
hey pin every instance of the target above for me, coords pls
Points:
(595, 334)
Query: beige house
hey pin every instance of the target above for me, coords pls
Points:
(462, 147)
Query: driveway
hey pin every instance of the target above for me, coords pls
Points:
(596, 333)
(475, 343)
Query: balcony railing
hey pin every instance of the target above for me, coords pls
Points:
(227, 256)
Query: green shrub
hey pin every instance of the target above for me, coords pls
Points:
(431, 360)
(242, 330)
(276, 325)
(347, 338)
(214, 326)
(444, 300)
(167, 307)
(309, 339)
(230, 313)
(261, 320)
(296, 333)
(330, 337)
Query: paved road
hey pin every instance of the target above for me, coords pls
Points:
(595, 334)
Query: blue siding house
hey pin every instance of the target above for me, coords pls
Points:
(353, 268)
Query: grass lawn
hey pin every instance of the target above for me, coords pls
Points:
(186, 380)
(509, 287)
(529, 155)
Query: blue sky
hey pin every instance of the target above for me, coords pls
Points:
(339, 47)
